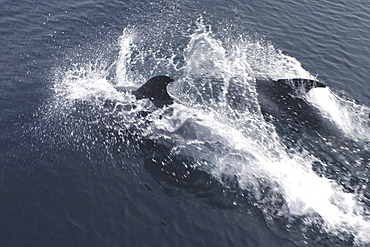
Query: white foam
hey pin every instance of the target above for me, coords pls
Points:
(225, 150)
(352, 119)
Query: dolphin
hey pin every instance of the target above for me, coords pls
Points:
(283, 100)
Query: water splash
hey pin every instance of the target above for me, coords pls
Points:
(351, 118)
(124, 76)
(218, 121)
(84, 82)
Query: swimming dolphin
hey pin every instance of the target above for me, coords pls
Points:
(283, 99)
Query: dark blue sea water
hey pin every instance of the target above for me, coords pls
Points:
(79, 166)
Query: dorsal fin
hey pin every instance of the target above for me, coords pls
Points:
(155, 89)
(299, 83)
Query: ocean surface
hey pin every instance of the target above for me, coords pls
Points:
(81, 165)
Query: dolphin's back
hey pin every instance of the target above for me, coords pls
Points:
(283, 99)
